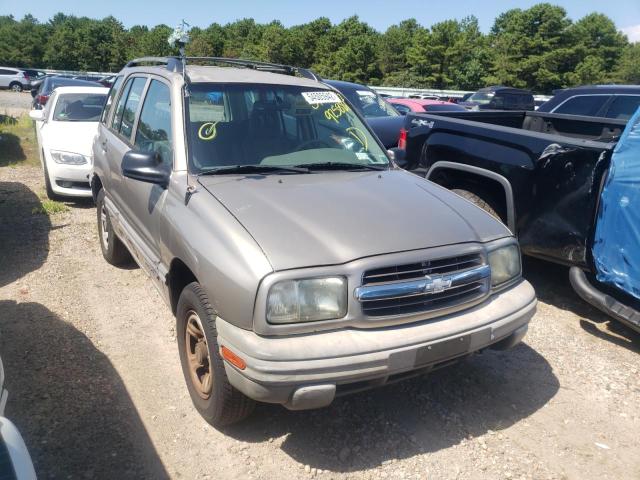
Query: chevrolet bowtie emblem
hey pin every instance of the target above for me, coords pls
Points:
(437, 284)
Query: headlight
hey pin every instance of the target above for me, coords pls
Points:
(505, 264)
(68, 158)
(311, 300)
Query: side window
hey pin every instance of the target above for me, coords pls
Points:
(117, 117)
(588, 105)
(154, 128)
(403, 109)
(112, 93)
(127, 105)
(6, 72)
(131, 106)
(623, 106)
(498, 101)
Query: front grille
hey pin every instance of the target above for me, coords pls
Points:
(405, 293)
(412, 271)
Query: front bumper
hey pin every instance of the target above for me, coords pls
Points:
(308, 371)
(69, 180)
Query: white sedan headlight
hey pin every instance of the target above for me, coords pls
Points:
(68, 158)
(505, 264)
(309, 300)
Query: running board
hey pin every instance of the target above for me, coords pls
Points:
(606, 303)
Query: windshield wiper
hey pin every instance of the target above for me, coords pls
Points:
(234, 169)
(340, 166)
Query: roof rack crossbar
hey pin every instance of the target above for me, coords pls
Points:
(175, 64)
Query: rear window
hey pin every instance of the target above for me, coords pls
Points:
(79, 107)
(623, 106)
(588, 105)
(369, 103)
(444, 108)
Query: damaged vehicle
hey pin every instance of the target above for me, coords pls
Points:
(549, 178)
(300, 262)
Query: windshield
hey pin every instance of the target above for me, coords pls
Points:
(79, 107)
(370, 104)
(275, 125)
(481, 98)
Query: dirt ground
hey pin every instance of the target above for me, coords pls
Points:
(96, 388)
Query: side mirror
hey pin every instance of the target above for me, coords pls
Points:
(145, 167)
(399, 156)
(37, 115)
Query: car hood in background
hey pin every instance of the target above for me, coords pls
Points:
(74, 137)
(387, 129)
(334, 217)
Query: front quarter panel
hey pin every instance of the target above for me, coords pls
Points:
(223, 256)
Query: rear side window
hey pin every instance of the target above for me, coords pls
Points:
(588, 105)
(127, 106)
(6, 72)
(623, 106)
(112, 93)
(154, 128)
(131, 106)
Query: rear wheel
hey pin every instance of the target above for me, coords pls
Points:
(16, 87)
(211, 392)
(113, 250)
(483, 203)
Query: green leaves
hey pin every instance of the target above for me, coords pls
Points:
(538, 48)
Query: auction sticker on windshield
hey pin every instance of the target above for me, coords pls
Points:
(316, 98)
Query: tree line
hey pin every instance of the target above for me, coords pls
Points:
(538, 48)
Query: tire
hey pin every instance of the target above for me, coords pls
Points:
(16, 87)
(478, 201)
(47, 183)
(113, 250)
(216, 400)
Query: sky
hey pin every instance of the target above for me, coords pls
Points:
(378, 13)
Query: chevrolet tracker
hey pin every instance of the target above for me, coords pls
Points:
(300, 262)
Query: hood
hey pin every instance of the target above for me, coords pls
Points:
(74, 137)
(331, 218)
(387, 129)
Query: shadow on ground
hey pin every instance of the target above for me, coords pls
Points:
(69, 402)
(24, 237)
(552, 285)
(490, 391)
(10, 149)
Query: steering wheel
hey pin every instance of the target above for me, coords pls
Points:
(309, 144)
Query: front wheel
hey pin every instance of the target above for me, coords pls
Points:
(16, 87)
(47, 184)
(211, 392)
(113, 250)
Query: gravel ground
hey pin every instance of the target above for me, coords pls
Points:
(12, 103)
(96, 388)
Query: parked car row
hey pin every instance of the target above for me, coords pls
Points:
(19, 79)
(301, 262)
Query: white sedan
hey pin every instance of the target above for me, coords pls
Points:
(65, 131)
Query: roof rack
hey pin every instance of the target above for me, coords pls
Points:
(174, 64)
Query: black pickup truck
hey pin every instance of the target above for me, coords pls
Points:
(540, 173)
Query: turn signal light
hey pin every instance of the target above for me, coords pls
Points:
(232, 358)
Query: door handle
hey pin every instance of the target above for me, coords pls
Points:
(104, 145)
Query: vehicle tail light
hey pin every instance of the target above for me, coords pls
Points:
(232, 358)
(42, 99)
(402, 141)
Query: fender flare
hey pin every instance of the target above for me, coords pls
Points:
(508, 191)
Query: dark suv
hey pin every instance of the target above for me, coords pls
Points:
(609, 101)
(500, 98)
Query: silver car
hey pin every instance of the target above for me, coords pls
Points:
(300, 261)
(14, 78)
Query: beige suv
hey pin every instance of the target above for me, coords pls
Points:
(300, 261)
